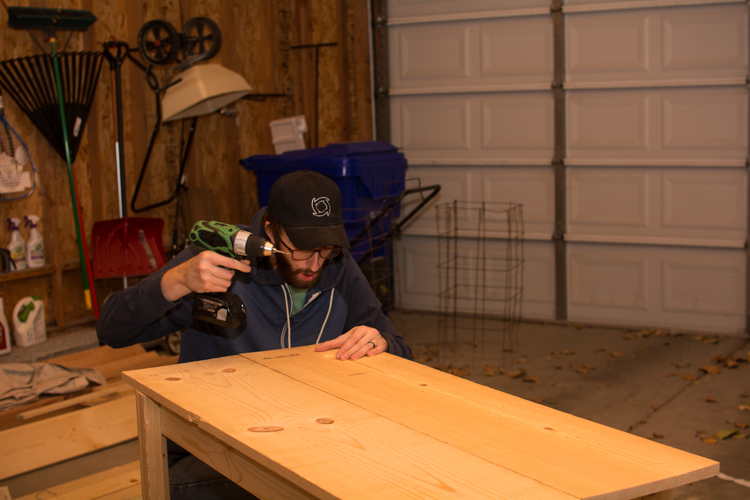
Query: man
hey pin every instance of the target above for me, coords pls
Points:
(314, 295)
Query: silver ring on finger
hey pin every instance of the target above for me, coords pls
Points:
(373, 344)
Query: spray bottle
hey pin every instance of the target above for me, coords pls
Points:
(16, 245)
(4, 330)
(35, 243)
(29, 324)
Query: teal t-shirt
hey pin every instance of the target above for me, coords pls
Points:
(298, 299)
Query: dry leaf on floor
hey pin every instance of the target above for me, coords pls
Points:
(580, 369)
(710, 399)
(683, 364)
(558, 367)
(709, 440)
(710, 369)
(744, 407)
(741, 425)
(655, 407)
(672, 374)
(711, 341)
(725, 433)
(530, 378)
(517, 361)
(551, 384)
(568, 352)
(601, 349)
(517, 374)
(616, 354)
(739, 436)
(688, 376)
(489, 370)
(656, 435)
(539, 400)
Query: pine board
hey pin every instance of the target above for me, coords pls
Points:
(227, 397)
(574, 455)
(121, 483)
(42, 443)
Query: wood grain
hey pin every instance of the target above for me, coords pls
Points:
(582, 458)
(118, 483)
(59, 438)
(228, 396)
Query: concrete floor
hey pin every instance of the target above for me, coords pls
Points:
(649, 383)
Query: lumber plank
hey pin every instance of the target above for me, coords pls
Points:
(237, 401)
(153, 447)
(113, 388)
(96, 356)
(123, 482)
(245, 472)
(42, 443)
(113, 369)
(573, 455)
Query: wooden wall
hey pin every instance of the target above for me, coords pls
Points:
(259, 42)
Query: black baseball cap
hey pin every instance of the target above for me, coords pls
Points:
(308, 206)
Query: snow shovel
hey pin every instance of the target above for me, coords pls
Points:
(128, 246)
(131, 246)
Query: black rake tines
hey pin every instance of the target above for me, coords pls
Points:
(30, 81)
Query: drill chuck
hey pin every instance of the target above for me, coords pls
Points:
(247, 244)
(229, 240)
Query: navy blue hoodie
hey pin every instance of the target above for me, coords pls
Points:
(341, 300)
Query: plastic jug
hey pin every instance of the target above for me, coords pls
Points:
(29, 324)
(4, 330)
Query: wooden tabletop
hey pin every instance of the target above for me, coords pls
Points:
(384, 427)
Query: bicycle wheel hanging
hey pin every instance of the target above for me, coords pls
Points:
(159, 42)
(201, 35)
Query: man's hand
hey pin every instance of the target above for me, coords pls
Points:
(357, 342)
(206, 272)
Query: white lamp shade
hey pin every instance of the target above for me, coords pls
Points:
(203, 89)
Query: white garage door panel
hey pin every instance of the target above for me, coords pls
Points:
(693, 288)
(456, 183)
(533, 187)
(435, 53)
(687, 204)
(697, 42)
(538, 280)
(420, 277)
(659, 124)
(462, 54)
(402, 8)
(496, 128)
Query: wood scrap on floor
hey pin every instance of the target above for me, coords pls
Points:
(52, 440)
(110, 362)
(118, 483)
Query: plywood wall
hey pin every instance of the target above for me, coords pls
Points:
(260, 42)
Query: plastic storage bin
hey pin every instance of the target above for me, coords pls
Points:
(370, 176)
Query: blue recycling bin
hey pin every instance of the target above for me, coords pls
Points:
(369, 174)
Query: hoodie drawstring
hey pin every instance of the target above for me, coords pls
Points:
(330, 305)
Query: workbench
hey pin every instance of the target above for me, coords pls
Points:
(296, 423)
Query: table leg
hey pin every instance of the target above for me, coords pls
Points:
(154, 469)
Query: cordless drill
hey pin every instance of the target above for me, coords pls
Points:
(225, 309)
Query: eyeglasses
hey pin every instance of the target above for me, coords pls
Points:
(324, 252)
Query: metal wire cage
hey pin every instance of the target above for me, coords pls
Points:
(480, 265)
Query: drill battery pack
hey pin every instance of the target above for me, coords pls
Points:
(221, 309)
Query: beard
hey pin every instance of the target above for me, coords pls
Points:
(292, 276)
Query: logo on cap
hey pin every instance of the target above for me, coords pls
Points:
(321, 207)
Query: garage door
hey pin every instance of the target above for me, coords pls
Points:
(622, 128)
